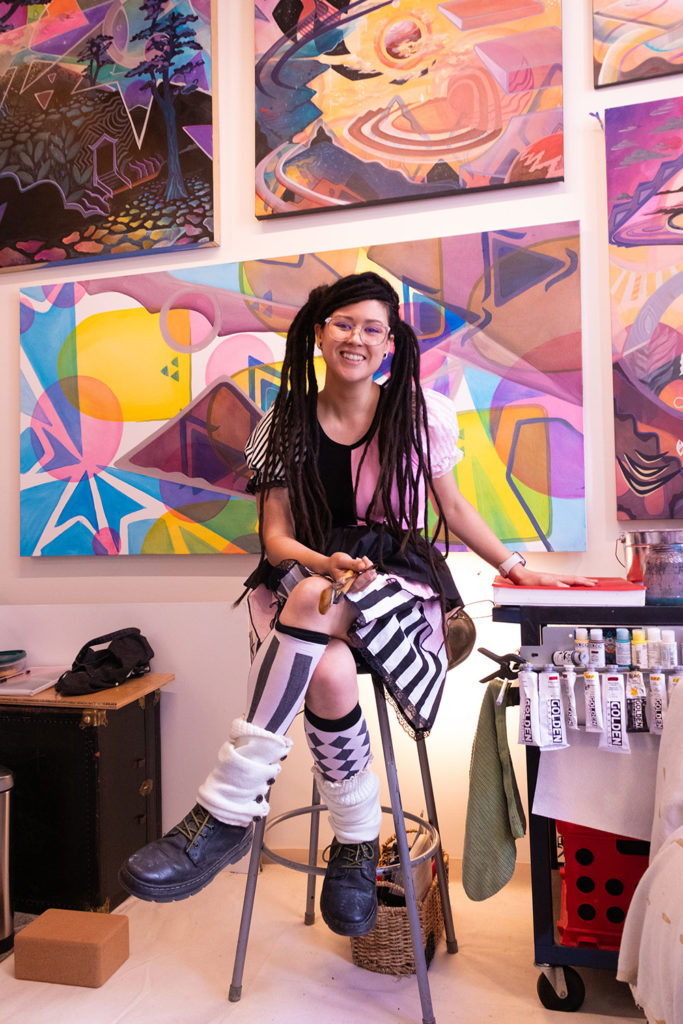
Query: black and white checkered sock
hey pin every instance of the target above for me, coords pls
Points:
(340, 746)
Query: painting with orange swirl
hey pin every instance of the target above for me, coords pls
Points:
(371, 101)
(645, 186)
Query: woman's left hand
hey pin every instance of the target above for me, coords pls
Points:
(525, 577)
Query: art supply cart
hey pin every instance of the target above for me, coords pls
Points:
(560, 986)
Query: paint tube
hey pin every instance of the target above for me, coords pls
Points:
(567, 685)
(573, 656)
(591, 685)
(636, 703)
(615, 737)
(675, 679)
(553, 735)
(657, 703)
(528, 706)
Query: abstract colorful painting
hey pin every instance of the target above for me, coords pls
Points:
(373, 101)
(645, 185)
(138, 393)
(106, 129)
(636, 39)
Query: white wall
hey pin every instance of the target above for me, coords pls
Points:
(158, 580)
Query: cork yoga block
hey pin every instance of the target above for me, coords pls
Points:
(71, 947)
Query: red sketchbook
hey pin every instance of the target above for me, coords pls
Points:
(608, 591)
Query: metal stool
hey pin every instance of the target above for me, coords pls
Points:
(311, 868)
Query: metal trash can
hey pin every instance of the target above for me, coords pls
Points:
(6, 916)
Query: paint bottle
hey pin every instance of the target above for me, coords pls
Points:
(622, 651)
(636, 702)
(568, 688)
(528, 705)
(638, 649)
(574, 656)
(610, 636)
(581, 639)
(668, 649)
(591, 685)
(657, 703)
(596, 649)
(552, 730)
(654, 643)
(615, 737)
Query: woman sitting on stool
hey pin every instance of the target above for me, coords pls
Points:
(342, 477)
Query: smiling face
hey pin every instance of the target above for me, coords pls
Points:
(350, 356)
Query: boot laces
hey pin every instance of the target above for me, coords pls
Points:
(193, 824)
(351, 854)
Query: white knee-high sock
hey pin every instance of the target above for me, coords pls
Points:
(340, 746)
(280, 674)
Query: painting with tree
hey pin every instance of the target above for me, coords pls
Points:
(106, 133)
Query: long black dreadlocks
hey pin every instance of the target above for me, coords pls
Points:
(402, 429)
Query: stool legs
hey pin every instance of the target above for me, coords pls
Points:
(235, 992)
(430, 803)
(309, 916)
(404, 857)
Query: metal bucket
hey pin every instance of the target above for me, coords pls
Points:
(655, 558)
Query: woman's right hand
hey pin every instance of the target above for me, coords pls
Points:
(339, 564)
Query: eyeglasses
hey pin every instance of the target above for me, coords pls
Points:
(371, 333)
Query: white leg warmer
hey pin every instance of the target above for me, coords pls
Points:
(248, 764)
(354, 809)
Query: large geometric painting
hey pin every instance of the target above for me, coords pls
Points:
(644, 183)
(368, 101)
(138, 393)
(636, 39)
(106, 129)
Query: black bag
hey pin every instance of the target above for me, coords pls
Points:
(128, 654)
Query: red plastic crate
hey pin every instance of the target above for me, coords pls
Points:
(599, 877)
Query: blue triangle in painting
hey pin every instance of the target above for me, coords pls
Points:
(78, 540)
(164, 370)
(481, 386)
(138, 481)
(516, 269)
(43, 339)
(61, 456)
(37, 505)
(115, 504)
(27, 399)
(79, 504)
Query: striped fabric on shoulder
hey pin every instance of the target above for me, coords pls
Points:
(255, 454)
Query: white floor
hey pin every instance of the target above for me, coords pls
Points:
(181, 962)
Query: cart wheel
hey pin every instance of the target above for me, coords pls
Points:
(576, 992)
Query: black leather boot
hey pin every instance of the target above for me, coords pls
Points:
(186, 859)
(348, 901)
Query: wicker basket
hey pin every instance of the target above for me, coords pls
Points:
(388, 948)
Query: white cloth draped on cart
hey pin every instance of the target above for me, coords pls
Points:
(651, 953)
